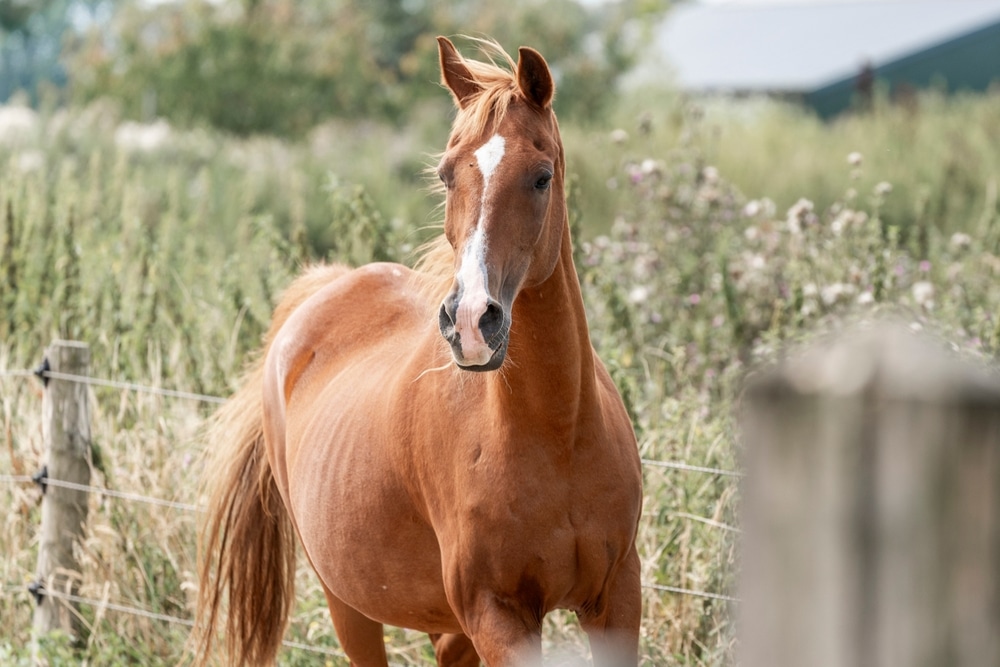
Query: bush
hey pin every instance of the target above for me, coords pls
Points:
(281, 67)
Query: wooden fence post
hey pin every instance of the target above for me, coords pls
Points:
(871, 508)
(66, 431)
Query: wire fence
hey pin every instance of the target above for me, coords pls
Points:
(43, 480)
(114, 384)
(101, 605)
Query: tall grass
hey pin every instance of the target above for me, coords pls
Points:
(167, 260)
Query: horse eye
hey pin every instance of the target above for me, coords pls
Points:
(543, 182)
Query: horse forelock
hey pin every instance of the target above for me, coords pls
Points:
(497, 90)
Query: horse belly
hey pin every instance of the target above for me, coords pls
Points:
(363, 536)
(393, 577)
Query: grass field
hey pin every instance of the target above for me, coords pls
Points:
(708, 237)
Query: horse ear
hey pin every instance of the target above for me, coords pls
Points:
(534, 78)
(455, 74)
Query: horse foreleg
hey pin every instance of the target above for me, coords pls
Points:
(614, 628)
(455, 651)
(505, 636)
(360, 637)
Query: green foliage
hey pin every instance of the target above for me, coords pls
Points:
(167, 256)
(31, 33)
(273, 68)
(282, 67)
(104, 241)
(939, 154)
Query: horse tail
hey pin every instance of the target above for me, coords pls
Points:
(246, 546)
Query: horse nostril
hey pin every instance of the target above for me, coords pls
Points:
(446, 317)
(491, 321)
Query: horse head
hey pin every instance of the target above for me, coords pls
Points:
(505, 211)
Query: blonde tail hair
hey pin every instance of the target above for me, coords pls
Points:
(246, 547)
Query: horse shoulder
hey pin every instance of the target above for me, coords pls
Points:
(328, 319)
(357, 308)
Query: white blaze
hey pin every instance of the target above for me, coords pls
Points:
(472, 272)
(488, 156)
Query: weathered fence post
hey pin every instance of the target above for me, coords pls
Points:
(66, 431)
(871, 508)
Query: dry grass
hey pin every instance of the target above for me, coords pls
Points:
(690, 286)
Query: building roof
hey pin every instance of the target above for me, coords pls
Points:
(803, 47)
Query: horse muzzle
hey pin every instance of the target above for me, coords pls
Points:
(478, 334)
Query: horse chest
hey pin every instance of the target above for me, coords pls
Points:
(531, 519)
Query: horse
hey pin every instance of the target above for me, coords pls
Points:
(443, 441)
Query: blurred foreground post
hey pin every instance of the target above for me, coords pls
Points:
(871, 508)
(66, 431)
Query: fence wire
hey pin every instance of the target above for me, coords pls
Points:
(131, 386)
(688, 591)
(124, 495)
(677, 465)
(174, 393)
(16, 374)
(83, 379)
(166, 618)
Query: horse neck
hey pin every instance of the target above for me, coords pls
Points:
(551, 359)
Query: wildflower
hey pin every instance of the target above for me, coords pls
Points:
(800, 214)
(855, 159)
(29, 161)
(833, 292)
(651, 167)
(618, 136)
(960, 240)
(840, 222)
(866, 298)
(134, 137)
(923, 293)
(710, 174)
(694, 299)
(638, 294)
(925, 266)
(883, 188)
(751, 233)
(16, 123)
(634, 173)
(752, 208)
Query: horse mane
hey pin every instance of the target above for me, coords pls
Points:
(435, 265)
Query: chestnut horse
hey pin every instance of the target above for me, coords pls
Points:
(427, 495)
